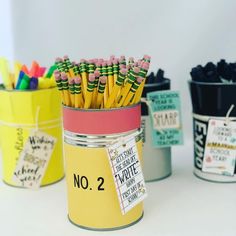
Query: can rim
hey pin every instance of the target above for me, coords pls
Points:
(25, 90)
(100, 110)
(166, 81)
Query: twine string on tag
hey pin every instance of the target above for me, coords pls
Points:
(149, 104)
(227, 118)
(123, 138)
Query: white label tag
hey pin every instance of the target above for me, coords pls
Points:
(34, 159)
(127, 173)
(220, 148)
(167, 119)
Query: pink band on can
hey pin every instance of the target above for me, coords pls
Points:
(100, 122)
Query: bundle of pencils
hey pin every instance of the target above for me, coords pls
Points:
(222, 72)
(99, 83)
(22, 78)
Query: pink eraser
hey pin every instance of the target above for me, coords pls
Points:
(145, 65)
(123, 71)
(77, 80)
(103, 79)
(136, 70)
(115, 61)
(71, 81)
(63, 76)
(96, 73)
(91, 77)
(58, 59)
(140, 79)
(82, 61)
(104, 63)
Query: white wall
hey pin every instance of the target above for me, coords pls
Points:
(177, 34)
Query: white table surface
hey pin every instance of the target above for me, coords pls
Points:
(180, 205)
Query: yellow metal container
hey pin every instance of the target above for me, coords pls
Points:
(22, 111)
(92, 198)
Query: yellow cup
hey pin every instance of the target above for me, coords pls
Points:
(92, 198)
(22, 111)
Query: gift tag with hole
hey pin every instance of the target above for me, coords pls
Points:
(33, 160)
(127, 173)
(220, 148)
(165, 115)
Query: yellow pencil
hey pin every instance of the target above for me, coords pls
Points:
(65, 88)
(4, 70)
(125, 90)
(84, 75)
(130, 96)
(116, 88)
(72, 92)
(101, 88)
(17, 67)
(142, 73)
(95, 90)
(79, 102)
(89, 92)
(59, 85)
(110, 77)
(115, 69)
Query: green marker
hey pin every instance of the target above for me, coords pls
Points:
(51, 71)
(24, 82)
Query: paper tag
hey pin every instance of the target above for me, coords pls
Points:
(34, 159)
(127, 173)
(165, 118)
(220, 148)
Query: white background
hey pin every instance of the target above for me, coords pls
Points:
(178, 35)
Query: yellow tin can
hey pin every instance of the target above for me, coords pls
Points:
(22, 111)
(92, 198)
